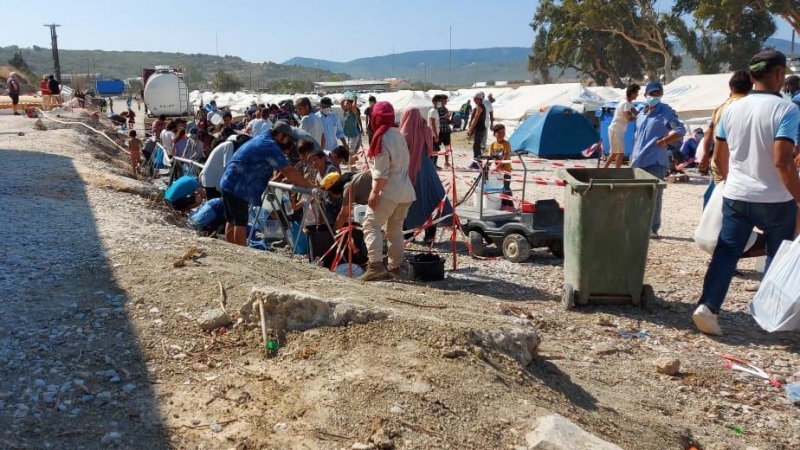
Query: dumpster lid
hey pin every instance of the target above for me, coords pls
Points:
(583, 178)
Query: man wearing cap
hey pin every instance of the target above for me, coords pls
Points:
(755, 140)
(310, 122)
(657, 126)
(352, 124)
(248, 172)
(357, 185)
(332, 126)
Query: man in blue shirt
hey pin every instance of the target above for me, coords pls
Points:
(185, 193)
(755, 139)
(792, 88)
(689, 149)
(657, 126)
(248, 172)
(332, 124)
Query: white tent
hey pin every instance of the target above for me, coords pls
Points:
(526, 100)
(695, 97)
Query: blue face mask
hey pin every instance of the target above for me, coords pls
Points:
(652, 101)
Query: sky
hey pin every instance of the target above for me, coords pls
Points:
(259, 31)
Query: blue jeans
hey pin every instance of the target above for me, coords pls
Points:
(659, 172)
(776, 220)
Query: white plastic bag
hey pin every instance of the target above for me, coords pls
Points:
(707, 233)
(776, 305)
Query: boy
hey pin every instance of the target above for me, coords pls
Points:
(501, 150)
(134, 148)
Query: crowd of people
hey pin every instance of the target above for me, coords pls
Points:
(393, 174)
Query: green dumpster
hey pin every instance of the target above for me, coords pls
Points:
(607, 219)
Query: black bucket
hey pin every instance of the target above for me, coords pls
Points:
(425, 267)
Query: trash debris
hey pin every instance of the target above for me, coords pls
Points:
(738, 431)
(641, 334)
(793, 392)
(307, 352)
(747, 368)
(190, 253)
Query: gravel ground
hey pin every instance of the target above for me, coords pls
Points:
(99, 345)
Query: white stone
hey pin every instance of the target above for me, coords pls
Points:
(555, 432)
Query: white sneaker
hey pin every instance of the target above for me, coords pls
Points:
(706, 321)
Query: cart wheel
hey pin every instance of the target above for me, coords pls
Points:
(477, 243)
(568, 300)
(557, 250)
(648, 298)
(516, 248)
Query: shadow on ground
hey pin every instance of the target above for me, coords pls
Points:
(69, 362)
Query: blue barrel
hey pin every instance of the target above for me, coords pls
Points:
(110, 87)
(605, 115)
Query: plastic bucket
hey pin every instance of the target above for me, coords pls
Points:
(425, 267)
(491, 202)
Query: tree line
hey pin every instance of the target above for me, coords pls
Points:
(616, 41)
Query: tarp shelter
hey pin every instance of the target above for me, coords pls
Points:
(558, 132)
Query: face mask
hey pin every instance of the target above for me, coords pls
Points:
(652, 101)
(700, 136)
(326, 111)
(438, 104)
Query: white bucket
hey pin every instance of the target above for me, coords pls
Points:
(491, 202)
(494, 182)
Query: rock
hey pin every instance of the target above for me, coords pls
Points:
(517, 343)
(104, 396)
(111, 438)
(39, 383)
(396, 409)
(215, 427)
(279, 427)
(128, 388)
(667, 366)
(360, 446)
(382, 439)
(213, 319)
(604, 349)
(604, 321)
(454, 353)
(39, 125)
(297, 311)
(555, 432)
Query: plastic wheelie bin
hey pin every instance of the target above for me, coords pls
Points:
(608, 215)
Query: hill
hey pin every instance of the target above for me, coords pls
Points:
(128, 64)
(499, 63)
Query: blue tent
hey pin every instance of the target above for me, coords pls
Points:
(605, 115)
(558, 132)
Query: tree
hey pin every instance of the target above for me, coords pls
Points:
(637, 22)
(789, 10)
(563, 40)
(18, 62)
(226, 82)
(726, 33)
(193, 77)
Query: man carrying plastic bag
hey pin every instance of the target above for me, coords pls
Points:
(776, 306)
(754, 148)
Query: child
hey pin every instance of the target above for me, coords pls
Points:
(134, 147)
(501, 149)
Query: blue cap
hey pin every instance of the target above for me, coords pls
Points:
(654, 86)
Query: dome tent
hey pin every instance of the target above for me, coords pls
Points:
(558, 132)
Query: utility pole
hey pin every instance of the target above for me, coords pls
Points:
(54, 44)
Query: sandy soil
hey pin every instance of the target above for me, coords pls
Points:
(99, 344)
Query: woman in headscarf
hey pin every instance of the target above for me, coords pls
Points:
(391, 195)
(422, 172)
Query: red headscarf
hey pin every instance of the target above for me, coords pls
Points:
(419, 139)
(382, 119)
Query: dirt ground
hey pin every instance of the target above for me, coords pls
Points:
(99, 344)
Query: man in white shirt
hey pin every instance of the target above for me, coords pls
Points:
(487, 105)
(309, 121)
(753, 150)
(331, 124)
(433, 123)
(260, 124)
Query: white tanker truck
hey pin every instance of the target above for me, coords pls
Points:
(165, 92)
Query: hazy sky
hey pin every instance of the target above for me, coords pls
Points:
(275, 30)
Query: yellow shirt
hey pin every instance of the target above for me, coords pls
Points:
(503, 148)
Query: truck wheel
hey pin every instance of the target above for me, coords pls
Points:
(476, 243)
(516, 248)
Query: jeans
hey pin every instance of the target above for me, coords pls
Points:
(777, 220)
(659, 172)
